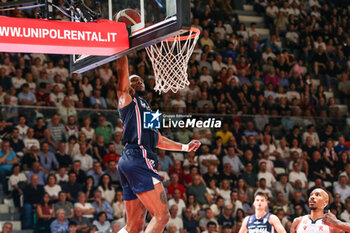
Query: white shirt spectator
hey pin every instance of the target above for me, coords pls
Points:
(52, 191)
(63, 178)
(217, 67)
(86, 206)
(86, 161)
(29, 142)
(107, 194)
(180, 205)
(270, 179)
(294, 176)
(204, 169)
(89, 134)
(63, 72)
(22, 131)
(344, 192)
(272, 11)
(17, 82)
(206, 78)
(314, 136)
(318, 44)
(14, 180)
(177, 222)
(345, 216)
(292, 36)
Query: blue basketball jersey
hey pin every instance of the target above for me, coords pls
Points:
(261, 225)
(132, 117)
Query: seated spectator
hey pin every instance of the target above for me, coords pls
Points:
(60, 224)
(47, 137)
(72, 187)
(341, 145)
(83, 224)
(101, 205)
(111, 154)
(250, 177)
(87, 130)
(174, 179)
(32, 196)
(17, 144)
(284, 186)
(97, 99)
(164, 160)
(233, 159)
(206, 159)
(317, 167)
(208, 217)
(17, 183)
(7, 160)
(57, 129)
(199, 191)
(190, 224)
(22, 127)
(224, 190)
(52, 188)
(105, 186)
(89, 188)
(63, 159)
(342, 188)
(226, 217)
(119, 206)
(61, 176)
(26, 97)
(262, 187)
(176, 200)
(99, 148)
(71, 126)
(44, 213)
(103, 129)
(177, 168)
(297, 174)
(30, 141)
(102, 223)
(56, 96)
(47, 159)
(174, 219)
(84, 158)
(85, 208)
(111, 170)
(268, 176)
(345, 215)
(224, 133)
(63, 204)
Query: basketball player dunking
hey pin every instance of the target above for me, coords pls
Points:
(137, 167)
(261, 221)
(313, 222)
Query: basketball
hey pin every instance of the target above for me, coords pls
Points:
(128, 16)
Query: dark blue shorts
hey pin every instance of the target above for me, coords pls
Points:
(136, 169)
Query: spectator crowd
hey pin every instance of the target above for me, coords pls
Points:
(283, 101)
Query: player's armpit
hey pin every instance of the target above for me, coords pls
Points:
(295, 224)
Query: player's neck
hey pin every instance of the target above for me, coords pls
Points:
(316, 214)
(260, 213)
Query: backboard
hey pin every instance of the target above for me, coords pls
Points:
(160, 19)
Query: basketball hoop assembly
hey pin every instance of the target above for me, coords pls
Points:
(170, 60)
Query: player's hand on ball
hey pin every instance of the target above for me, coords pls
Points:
(194, 145)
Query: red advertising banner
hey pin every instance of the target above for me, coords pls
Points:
(101, 38)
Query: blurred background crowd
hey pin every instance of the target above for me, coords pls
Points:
(283, 100)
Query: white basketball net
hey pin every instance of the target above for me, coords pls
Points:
(170, 59)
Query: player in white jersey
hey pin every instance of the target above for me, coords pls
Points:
(313, 223)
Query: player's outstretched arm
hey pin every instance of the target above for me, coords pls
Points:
(124, 97)
(167, 144)
(244, 228)
(295, 224)
(331, 220)
(276, 223)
